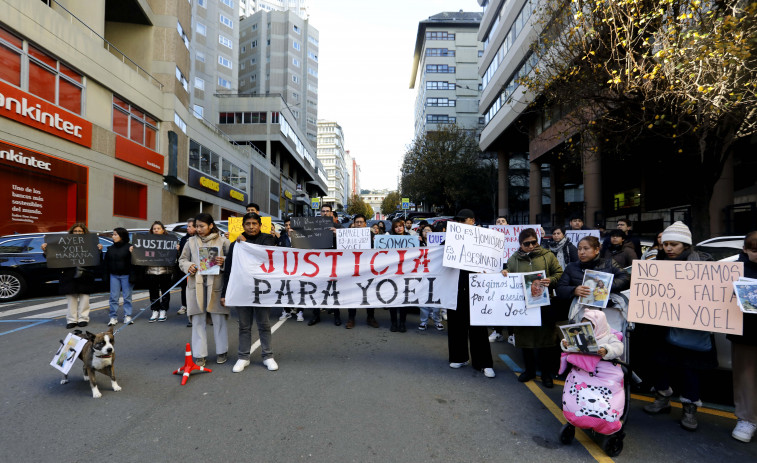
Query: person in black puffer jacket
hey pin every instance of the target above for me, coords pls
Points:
(744, 356)
(118, 267)
(620, 250)
(571, 282)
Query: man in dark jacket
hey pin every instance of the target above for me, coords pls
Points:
(620, 250)
(251, 223)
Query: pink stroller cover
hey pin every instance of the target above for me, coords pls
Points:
(593, 396)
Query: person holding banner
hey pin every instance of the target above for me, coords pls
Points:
(398, 228)
(182, 243)
(251, 223)
(76, 283)
(159, 281)
(685, 353)
(118, 266)
(425, 312)
(537, 341)
(460, 332)
(359, 222)
(205, 290)
(328, 211)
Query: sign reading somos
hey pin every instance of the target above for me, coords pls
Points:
(307, 278)
(693, 295)
(396, 241)
(473, 248)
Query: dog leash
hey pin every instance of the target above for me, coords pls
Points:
(141, 311)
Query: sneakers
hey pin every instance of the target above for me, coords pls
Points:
(458, 365)
(284, 315)
(300, 317)
(439, 327)
(443, 312)
(271, 364)
(112, 321)
(200, 361)
(661, 403)
(153, 317)
(496, 337)
(689, 418)
(182, 310)
(240, 365)
(422, 327)
(489, 372)
(744, 431)
(127, 320)
(222, 358)
(162, 316)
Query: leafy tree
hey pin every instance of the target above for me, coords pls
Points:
(445, 169)
(681, 73)
(356, 205)
(390, 203)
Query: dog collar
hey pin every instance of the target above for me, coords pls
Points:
(104, 356)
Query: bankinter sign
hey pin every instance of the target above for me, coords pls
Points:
(32, 111)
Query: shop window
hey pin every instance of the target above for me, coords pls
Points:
(10, 58)
(129, 199)
(134, 124)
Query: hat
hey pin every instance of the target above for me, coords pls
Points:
(677, 232)
(465, 214)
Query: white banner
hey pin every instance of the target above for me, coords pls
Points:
(574, 236)
(511, 233)
(320, 278)
(496, 300)
(473, 248)
(353, 238)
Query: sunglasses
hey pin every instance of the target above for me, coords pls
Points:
(528, 244)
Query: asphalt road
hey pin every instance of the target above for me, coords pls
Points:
(360, 395)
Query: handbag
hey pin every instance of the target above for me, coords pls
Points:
(700, 341)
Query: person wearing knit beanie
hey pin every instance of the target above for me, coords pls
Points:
(677, 232)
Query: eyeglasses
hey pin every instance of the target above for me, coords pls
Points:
(528, 244)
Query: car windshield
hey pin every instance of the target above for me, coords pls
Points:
(717, 252)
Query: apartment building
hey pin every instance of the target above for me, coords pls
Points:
(445, 72)
(279, 55)
(298, 7)
(331, 153)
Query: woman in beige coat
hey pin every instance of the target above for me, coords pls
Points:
(204, 290)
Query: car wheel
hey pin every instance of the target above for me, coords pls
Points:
(12, 286)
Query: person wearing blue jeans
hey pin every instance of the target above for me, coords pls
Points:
(118, 266)
(435, 314)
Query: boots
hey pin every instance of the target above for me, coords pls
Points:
(689, 418)
(661, 404)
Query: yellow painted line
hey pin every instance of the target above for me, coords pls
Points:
(581, 436)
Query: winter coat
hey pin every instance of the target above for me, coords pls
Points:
(85, 284)
(263, 239)
(538, 259)
(197, 284)
(573, 276)
(623, 254)
(603, 334)
(118, 259)
(568, 251)
(749, 336)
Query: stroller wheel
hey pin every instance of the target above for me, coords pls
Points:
(567, 433)
(613, 445)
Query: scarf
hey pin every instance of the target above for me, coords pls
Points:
(556, 248)
(208, 279)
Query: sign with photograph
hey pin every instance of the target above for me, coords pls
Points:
(154, 250)
(67, 353)
(534, 292)
(599, 283)
(746, 294)
(208, 264)
(353, 238)
(396, 241)
(497, 300)
(472, 248)
(580, 338)
(683, 294)
(69, 250)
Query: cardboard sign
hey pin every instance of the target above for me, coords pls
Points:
(496, 300)
(477, 249)
(574, 236)
(396, 241)
(511, 233)
(693, 295)
(312, 232)
(154, 250)
(67, 353)
(69, 250)
(435, 238)
(353, 238)
(235, 228)
(265, 225)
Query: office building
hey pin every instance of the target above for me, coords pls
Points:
(331, 153)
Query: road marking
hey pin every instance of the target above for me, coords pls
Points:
(29, 325)
(275, 327)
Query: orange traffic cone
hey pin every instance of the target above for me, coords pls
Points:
(189, 367)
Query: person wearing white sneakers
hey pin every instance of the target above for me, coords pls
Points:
(251, 223)
(118, 267)
(159, 281)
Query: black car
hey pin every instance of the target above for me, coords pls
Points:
(22, 264)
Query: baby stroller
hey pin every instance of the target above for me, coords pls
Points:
(597, 392)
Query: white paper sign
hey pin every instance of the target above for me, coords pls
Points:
(477, 249)
(396, 241)
(511, 233)
(496, 300)
(67, 353)
(353, 238)
(435, 238)
(574, 236)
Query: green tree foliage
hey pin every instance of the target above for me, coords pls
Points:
(445, 169)
(681, 72)
(356, 205)
(390, 203)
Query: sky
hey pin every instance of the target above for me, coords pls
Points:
(364, 70)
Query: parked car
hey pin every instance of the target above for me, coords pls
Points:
(23, 266)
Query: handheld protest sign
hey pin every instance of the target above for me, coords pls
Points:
(67, 353)
(353, 238)
(435, 238)
(686, 294)
(472, 248)
(574, 236)
(497, 300)
(154, 250)
(235, 228)
(396, 241)
(71, 250)
(265, 225)
(312, 232)
(511, 233)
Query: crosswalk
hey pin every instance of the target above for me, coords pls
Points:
(54, 307)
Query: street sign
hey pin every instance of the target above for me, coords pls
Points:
(405, 203)
(315, 203)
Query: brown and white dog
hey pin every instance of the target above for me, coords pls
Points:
(98, 354)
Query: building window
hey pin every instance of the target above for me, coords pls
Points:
(129, 198)
(180, 77)
(200, 57)
(296, 62)
(199, 111)
(438, 35)
(182, 34)
(199, 83)
(295, 79)
(224, 62)
(254, 27)
(313, 40)
(254, 44)
(224, 83)
(296, 45)
(440, 68)
(439, 102)
(225, 41)
(312, 88)
(432, 85)
(313, 56)
(180, 122)
(312, 72)
(201, 29)
(203, 3)
(439, 52)
(131, 122)
(296, 29)
(226, 22)
(440, 119)
(228, 3)
(242, 118)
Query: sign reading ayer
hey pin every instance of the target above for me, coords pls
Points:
(477, 249)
